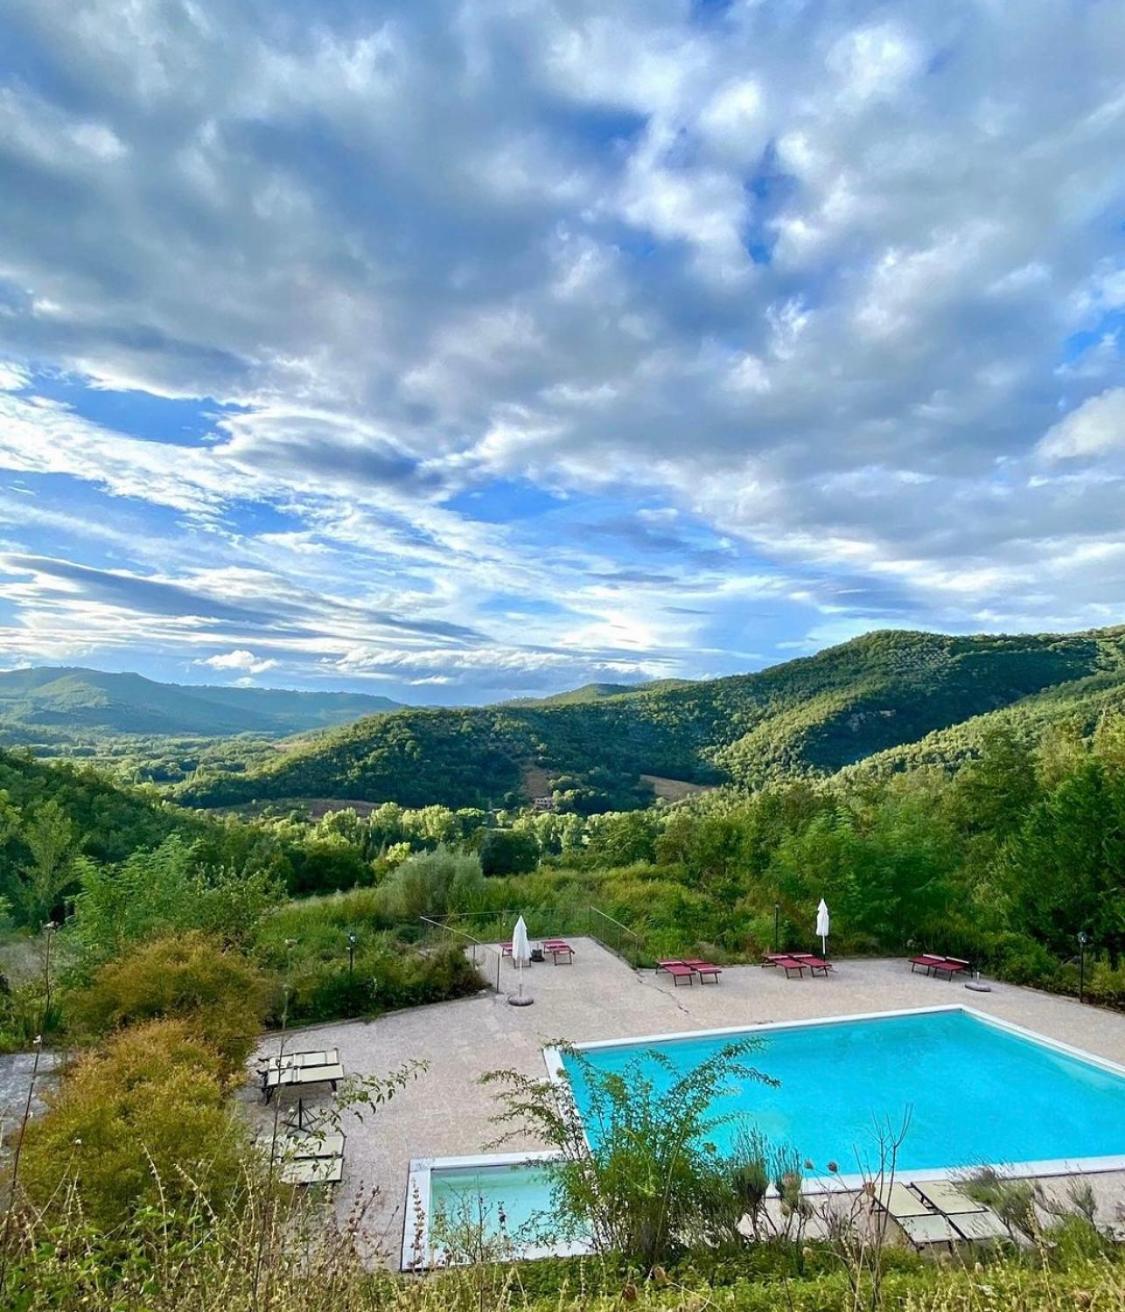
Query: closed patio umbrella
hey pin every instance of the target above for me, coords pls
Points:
(822, 925)
(521, 956)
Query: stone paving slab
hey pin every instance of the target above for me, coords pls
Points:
(15, 1082)
(446, 1112)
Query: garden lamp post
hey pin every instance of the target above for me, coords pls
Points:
(351, 954)
(1083, 939)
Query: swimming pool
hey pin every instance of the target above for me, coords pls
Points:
(978, 1091)
(499, 1201)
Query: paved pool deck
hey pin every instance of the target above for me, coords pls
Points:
(446, 1111)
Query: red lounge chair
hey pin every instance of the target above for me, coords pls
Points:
(927, 960)
(505, 949)
(790, 964)
(559, 947)
(703, 968)
(680, 971)
(815, 964)
(949, 967)
(772, 958)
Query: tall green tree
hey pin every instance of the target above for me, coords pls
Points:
(53, 844)
(1065, 868)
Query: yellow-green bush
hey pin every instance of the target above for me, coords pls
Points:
(140, 1122)
(217, 992)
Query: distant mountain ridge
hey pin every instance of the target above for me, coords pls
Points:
(808, 717)
(595, 692)
(57, 701)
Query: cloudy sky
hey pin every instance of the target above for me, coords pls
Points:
(461, 350)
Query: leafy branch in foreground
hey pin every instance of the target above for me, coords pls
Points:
(639, 1171)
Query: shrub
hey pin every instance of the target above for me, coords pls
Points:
(24, 1014)
(382, 980)
(141, 1122)
(638, 1172)
(1106, 983)
(166, 890)
(433, 884)
(1025, 961)
(222, 996)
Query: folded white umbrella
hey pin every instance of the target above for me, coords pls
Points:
(521, 949)
(822, 924)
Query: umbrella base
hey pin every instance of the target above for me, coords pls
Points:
(517, 1000)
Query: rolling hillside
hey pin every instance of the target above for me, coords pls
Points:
(56, 702)
(1080, 705)
(810, 716)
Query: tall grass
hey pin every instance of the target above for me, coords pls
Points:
(200, 1262)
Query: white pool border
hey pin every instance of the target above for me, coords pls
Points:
(556, 1072)
(419, 1195)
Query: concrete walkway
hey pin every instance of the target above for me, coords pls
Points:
(446, 1112)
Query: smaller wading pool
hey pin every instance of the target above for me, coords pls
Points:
(503, 1198)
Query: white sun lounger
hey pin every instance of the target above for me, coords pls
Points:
(312, 1170)
(917, 1220)
(976, 1221)
(293, 1146)
(299, 1076)
(900, 1201)
(330, 1057)
(931, 1228)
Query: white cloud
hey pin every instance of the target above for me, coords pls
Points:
(13, 377)
(1094, 429)
(817, 285)
(245, 662)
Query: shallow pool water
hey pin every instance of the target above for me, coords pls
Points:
(490, 1202)
(974, 1093)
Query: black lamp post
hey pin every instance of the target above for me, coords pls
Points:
(351, 954)
(1083, 939)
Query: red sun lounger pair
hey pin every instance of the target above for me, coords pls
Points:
(557, 947)
(797, 963)
(689, 969)
(933, 964)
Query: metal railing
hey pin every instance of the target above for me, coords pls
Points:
(492, 974)
(605, 916)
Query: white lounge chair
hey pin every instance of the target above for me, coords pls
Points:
(976, 1221)
(312, 1170)
(328, 1057)
(311, 1145)
(917, 1220)
(299, 1076)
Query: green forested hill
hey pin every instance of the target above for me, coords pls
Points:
(1076, 706)
(51, 703)
(809, 716)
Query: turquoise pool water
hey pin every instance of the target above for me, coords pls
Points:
(976, 1094)
(509, 1201)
